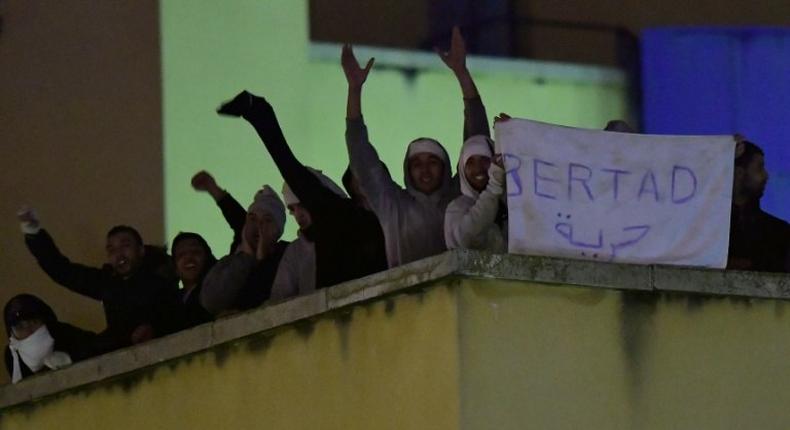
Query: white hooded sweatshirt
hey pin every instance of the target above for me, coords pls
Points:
(470, 221)
(411, 220)
(297, 270)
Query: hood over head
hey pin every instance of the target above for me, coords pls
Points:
(25, 307)
(475, 145)
(431, 146)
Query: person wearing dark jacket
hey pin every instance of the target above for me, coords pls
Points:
(758, 240)
(138, 304)
(193, 259)
(243, 279)
(232, 210)
(344, 248)
(37, 341)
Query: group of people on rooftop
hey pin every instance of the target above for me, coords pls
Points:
(373, 225)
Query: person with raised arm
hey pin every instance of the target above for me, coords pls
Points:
(139, 304)
(243, 279)
(412, 218)
(232, 210)
(347, 242)
(477, 219)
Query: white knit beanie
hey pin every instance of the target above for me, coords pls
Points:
(266, 200)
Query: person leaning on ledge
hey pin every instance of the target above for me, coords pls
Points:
(139, 304)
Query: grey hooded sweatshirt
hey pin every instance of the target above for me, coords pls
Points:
(413, 222)
(471, 219)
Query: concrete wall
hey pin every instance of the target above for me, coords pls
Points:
(461, 340)
(585, 358)
(391, 364)
(80, 125)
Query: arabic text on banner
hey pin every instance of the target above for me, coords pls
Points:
(617, 197)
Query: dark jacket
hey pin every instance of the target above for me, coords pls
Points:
(758, 240)
(142, 298)
(195, 313)
(349, 242)
(235, 215)
(76, 342)
(239, 282)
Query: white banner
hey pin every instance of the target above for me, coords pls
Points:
(619, 197)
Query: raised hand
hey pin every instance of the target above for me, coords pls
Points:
(203, 181)
(28, 220)
(498, 160)
(455, 58)
(239, 106)
(355, 75)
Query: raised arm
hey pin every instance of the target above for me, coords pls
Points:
(371, 173)
(76, 277)
(232, 211)
(258, 112)
(475, 118)
(356, 77)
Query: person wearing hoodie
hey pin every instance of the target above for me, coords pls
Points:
(477, 219)
(243, 279)
(346, 245)
(138, 303)
(297, 273)
(37, 341)
(412, 218)
(193, 259)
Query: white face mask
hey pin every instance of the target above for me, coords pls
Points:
(33, 350)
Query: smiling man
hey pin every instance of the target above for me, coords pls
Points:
(477, 218)
(138, 303)
(412, 218)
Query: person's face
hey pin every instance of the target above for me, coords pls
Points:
(754, 177)
(124, 254)
(301, 215)
(190, 257)
(425, 171)
(23, 329)
(476, 171)
(259, 224)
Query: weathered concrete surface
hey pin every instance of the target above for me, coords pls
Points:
(720, 282)
(417, 275)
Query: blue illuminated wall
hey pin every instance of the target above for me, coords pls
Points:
(723, 81)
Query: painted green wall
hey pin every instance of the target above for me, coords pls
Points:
(211, 50)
